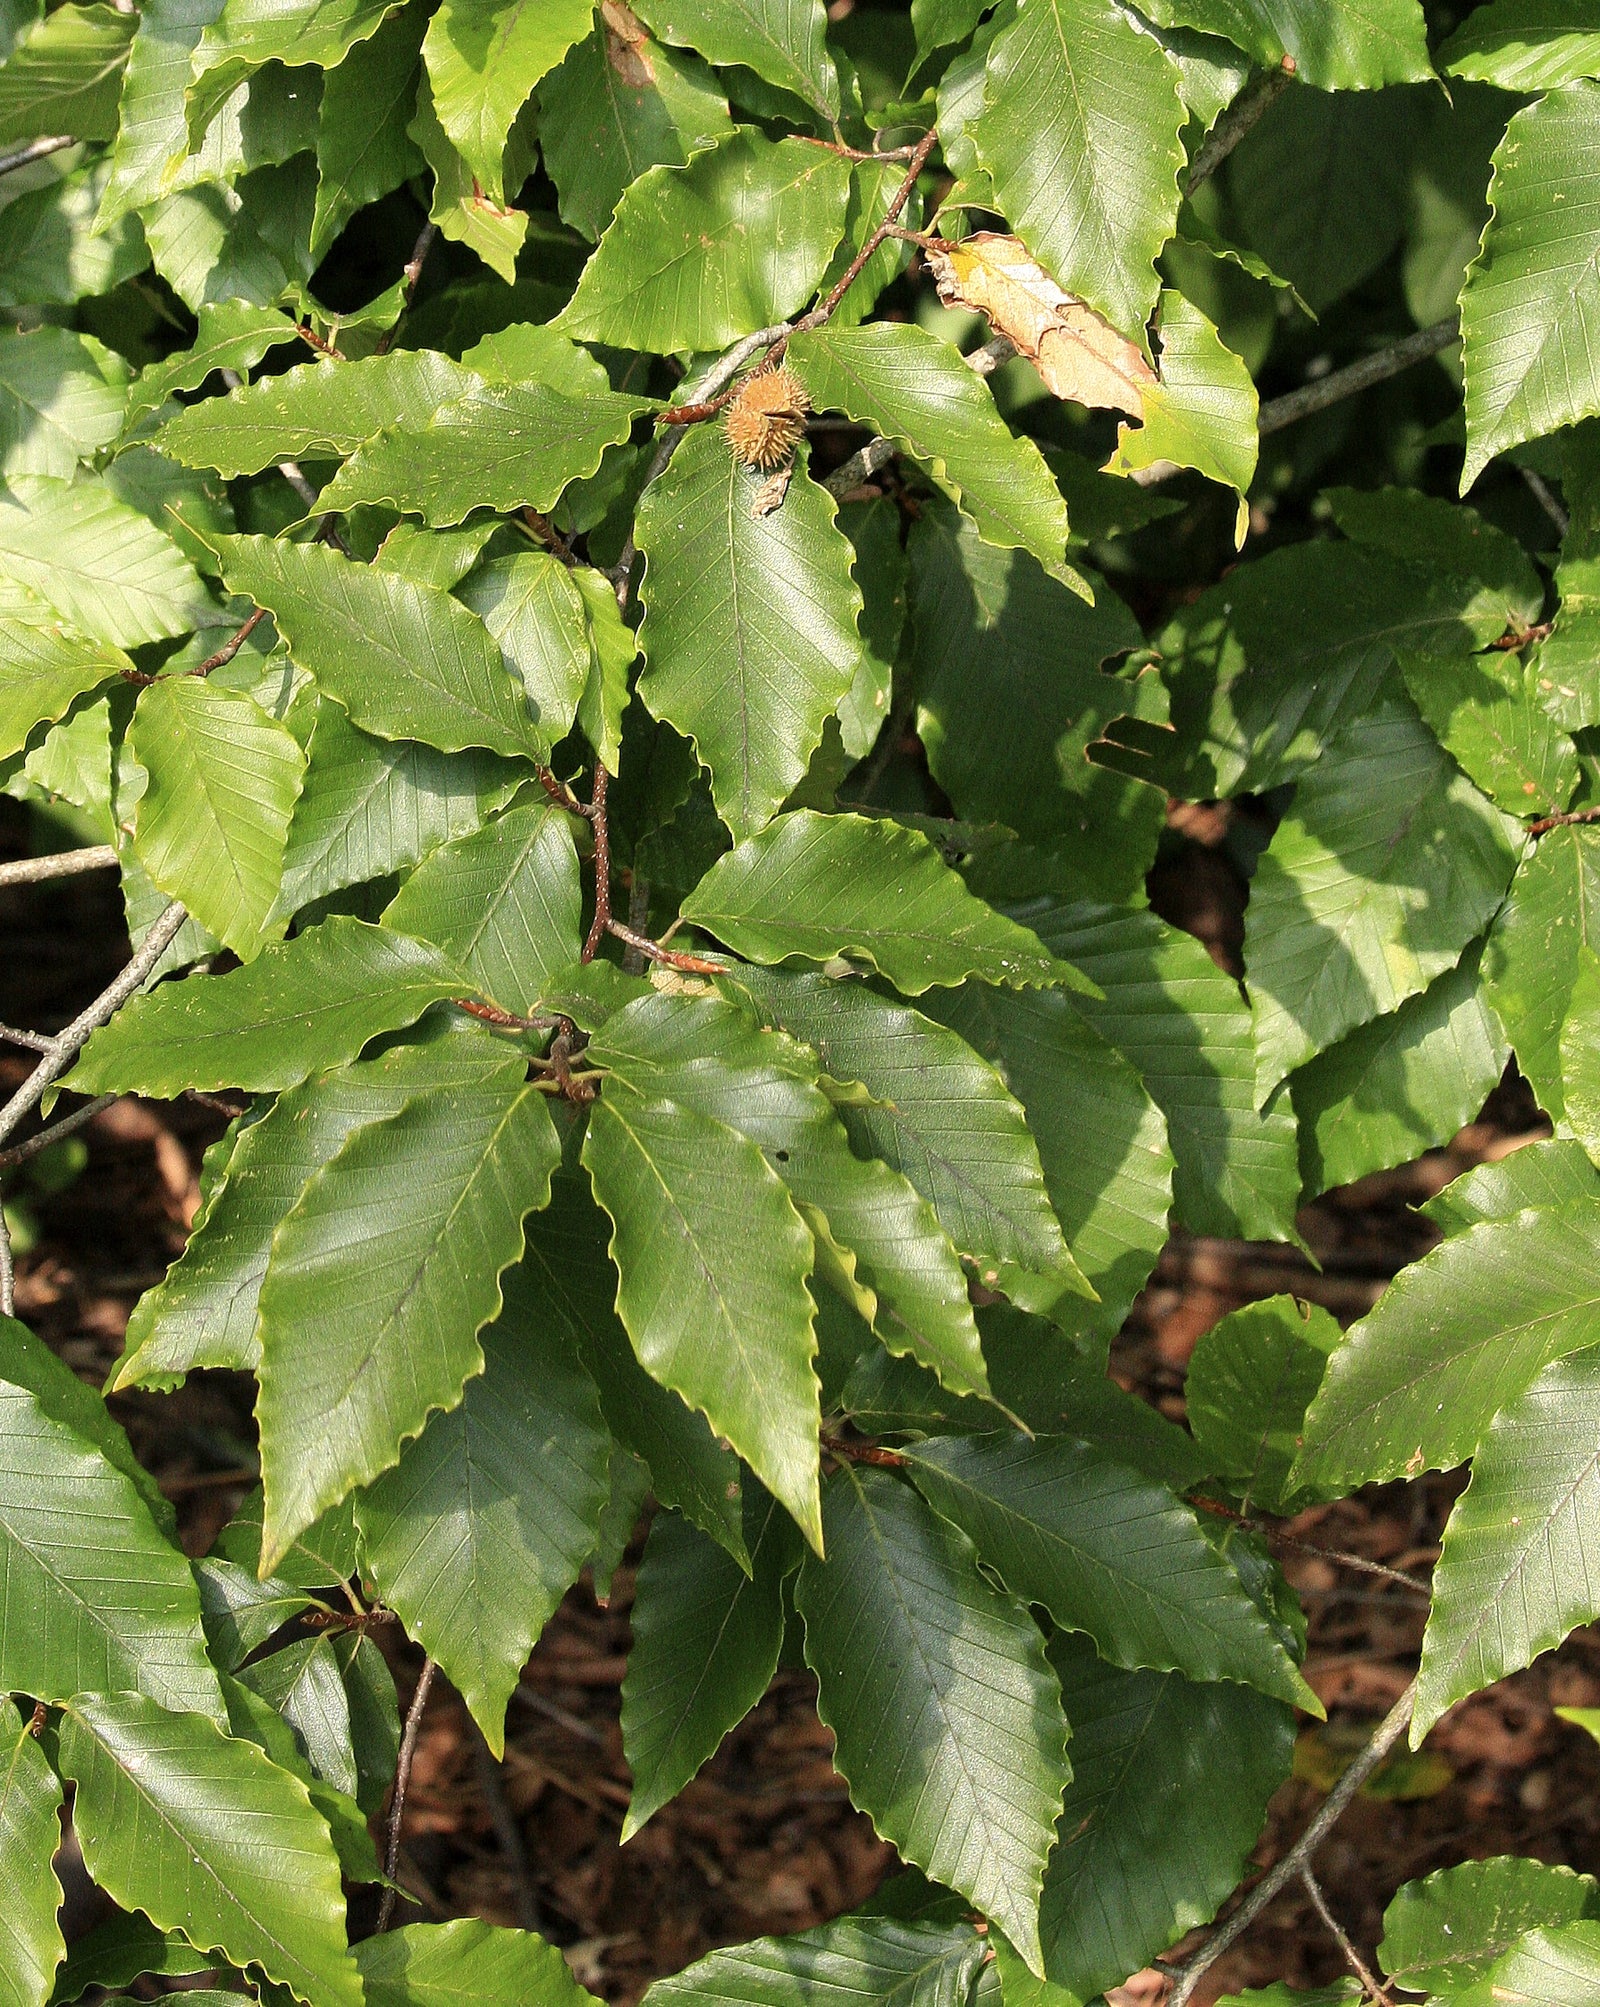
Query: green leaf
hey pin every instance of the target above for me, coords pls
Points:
(64, 75)
(1169, 1790)
(60, 400)
(1251, 1378)
(1564, 661)
(150, 157)
(1386, 865)
(248, 34)
(828, 886)
(1342, 45)
(301, 1682)
(531, 604)
(94, 1596)
(203, 1834)
(688, 262)
(322, 1557)
(854, 1958)
(458, 205)
(1400, 1085)
(915, 389)
(713, 1262)
(1075, 81)
(478, 1532)
(102, 566)
(30, 1802)
(568, 1270)
(311, 1003)
(124, 1948)
(618, 105)
(706, 1639)
(465, 1963)
(48, 668)
(241, 1613)
(1455, 1338)
(380, 1279)
(1534, 287)
(749, 634)
(1533, 957)
(406, 661)
(1185, 1025)
(942, 1117)
(212, 825)
(484, 58)
(1447, 538)
(1444, 1933)
(1489, 712)
(363, 148)
(1201, 414)
(945, 1712)
(1525, 45)
(504, 904)
(1549, 1968)
(880, 1242)
(1540, 1174)
(781, 40)
(51, 253)
(1520, 1554)
(1106, 1552)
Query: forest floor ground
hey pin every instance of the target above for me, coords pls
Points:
(765, 1839)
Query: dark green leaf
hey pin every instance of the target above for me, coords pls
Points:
(781, 40)
(30, 1802)
(465, 1964)
(852, 1959)
(1251, 1378)
(1444, 1933)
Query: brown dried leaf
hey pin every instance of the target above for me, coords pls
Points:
(1079, 354)
(626, 44)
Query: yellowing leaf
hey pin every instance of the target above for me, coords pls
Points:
(1078, 352)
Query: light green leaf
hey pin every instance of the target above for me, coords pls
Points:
(713, 1262)
(1564, 663)
(102, 566)
(380, 1279)
(210, 247)
(750, 630)
(51, 253)
(466, 1963)
(706, 1639)
(1185, 1025)
(826, 886)
(1521, 1552)
(322, 1557)
(484, 58)
(65, 74)
(616, 107)
(60, 399)
(1073, 81)
(406, 661)
(613, 650)
(1169, 1790)
(212, 825)
(478, 1532)
(1535, 286)
(568, 1271)
(915, 389)
(241, 1613)
(1400, 1085)
(781, 40)
(1201, 414)
(48, 668)
(1455, 1338)
(1549, 1968)
(30, 1801)
(363, 149)
(1337, 45)
(1534, 952)
(458, 206)
(1106, 1552)
(302, 1684)
(1444, 1933)
(1251, 1378)
(150, 157)
(946, 1714)
(1525, 45)
(854, 1958)
(94, 1596)
(1489, 712)
(311, 1003)
(1386, 865)
(1540, 1174)
(248, 34)
(696, 256)
(532, 606)
(202, 1833)
(504, 904)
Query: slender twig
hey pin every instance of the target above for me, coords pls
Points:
(69, 1043)
(19, 1153)
(673, 958)
(1357, 1964)
(312, 339)
(402, 1783)
(410, 278)
(231, 647)
(1247, 109)
(1283, 1539)
(36, 149)
(861, 466)
(638, 919)
(602, 863)
(290, 470)
(860, 152)
(63, 864)
(916, 162)
(8, 1269)
(35, 1041)
(1357, 376)
(986, 360)
(559, 792)
(506, 1830)
(505, 1020)
(1187, 1976)
(1543, 494)
(1562, 819)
